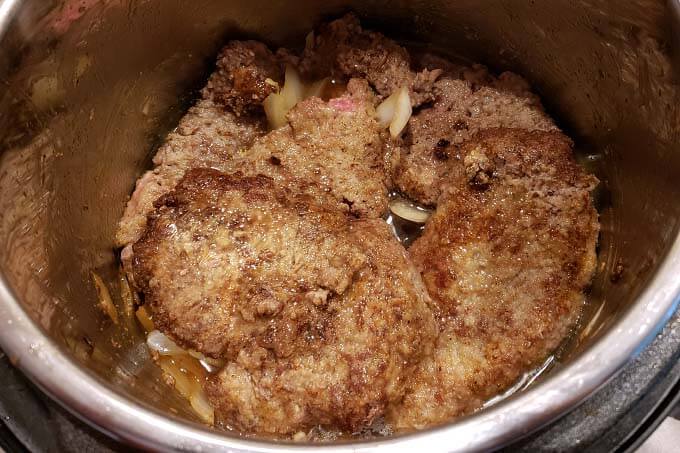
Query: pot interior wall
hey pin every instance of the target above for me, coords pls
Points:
(91, 87)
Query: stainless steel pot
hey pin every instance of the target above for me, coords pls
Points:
(90, 86)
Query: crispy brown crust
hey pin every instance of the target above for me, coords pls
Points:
(247, 72)
(506, 258)
(332, 150)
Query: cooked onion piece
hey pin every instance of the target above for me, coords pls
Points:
(105, 301)
(144, 318)
(277, 105)
(385, 111)
(186, 376)
(293, 90)
(208, 363)
(184, 370)
(408, 211)
(275, 110)
(162, 344)
(395, 111)
(199, 402)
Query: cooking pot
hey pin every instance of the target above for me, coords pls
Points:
(90, 87)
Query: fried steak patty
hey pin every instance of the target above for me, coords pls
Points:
(321, 317)
(382, 327)
(466, 100)
(505, 257)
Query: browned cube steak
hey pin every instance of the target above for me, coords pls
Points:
(266, 248)
(505, 258)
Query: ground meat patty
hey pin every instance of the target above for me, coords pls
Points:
(333, 150)
(467, 100)
(343, 49)
(321, 317)
(229, 260)
(506, 258)
(382, 326)
(213, 130)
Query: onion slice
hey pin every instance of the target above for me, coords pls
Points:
(162, 344)
(315, 89)
(277, 105)
(275, 110)
(385, 111)
(293, 90)
(402, 113)
(105, 300)
(408, 211)
(395, 111)
(144, 318)
(199, 402)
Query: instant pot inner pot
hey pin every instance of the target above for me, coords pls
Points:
(90, 88)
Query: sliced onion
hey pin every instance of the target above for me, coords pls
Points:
(395, 111)
(144, 318)
(310, 39)
(402, 113)
(409, 211)
(162, 344)
(185, 383)
(315, 89)
(385, 111)
(200, 403)
(277, 105)
(208, 363)
(275, 110)
(293, 90)
(126, 294)
(105, 300)
(186, 373)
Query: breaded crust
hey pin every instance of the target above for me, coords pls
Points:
(381, 327)
(229, 261)
(506, 258)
